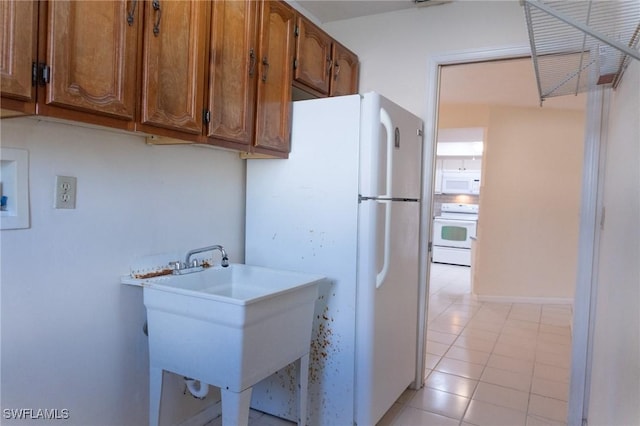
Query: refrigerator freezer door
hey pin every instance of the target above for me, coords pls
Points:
(390, 150)
(387, 314)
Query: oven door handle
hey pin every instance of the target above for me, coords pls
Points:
(454, 222)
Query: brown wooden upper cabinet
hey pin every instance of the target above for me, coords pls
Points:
(313, 63)
(85, 66)
(217, 72)
(323, 67)
(233, 69)
(275, 71)
(345, 73)
(174, 67)
(249, 94)
(19, 26)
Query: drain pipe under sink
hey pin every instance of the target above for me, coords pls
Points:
(196, 387)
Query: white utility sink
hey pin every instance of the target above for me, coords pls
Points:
(237, 284)
(229, 327)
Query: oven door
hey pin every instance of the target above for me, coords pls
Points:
(453, 232)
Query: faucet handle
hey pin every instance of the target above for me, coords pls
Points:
(176, 265)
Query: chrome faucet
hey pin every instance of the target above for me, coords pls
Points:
(188, 263)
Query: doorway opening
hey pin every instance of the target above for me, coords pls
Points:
(523, 306)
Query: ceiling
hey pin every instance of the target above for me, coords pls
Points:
(508, 82)
(335, 10)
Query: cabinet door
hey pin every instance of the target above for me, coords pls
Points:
(472, 163)
(452, 163)
(174, 65)
(462, 163)
(344, 79)
(19, 26)
(91, 52)
(273, 116)
(233, 68)
(313, 56)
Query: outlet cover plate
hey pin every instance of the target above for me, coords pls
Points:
(65, 193)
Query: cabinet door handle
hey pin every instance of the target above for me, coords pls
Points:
(337, 71)
(156, 26)
(265, 63)
(329, 64)
(252, 62)
(132, 12)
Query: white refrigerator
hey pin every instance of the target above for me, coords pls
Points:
(346, 205)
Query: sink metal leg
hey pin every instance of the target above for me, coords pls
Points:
(235, 407)
(155, 394)
(303, 382)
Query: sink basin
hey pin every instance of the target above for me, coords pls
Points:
(237, 284)
(228, 327)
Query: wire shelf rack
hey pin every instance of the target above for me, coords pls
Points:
(578, 45)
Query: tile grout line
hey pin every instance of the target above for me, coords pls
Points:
(511, 314)
(533, 370)
(485, 366)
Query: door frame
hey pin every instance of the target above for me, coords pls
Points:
(586, 284)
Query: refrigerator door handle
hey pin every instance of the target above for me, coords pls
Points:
(385, 120)
(382, 275)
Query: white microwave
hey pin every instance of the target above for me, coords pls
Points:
(460, 182)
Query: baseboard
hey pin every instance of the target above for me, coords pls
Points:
(205, 416)
(524, 299)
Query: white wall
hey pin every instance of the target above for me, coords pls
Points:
(394, 48)
(71, 333)
(530, 200)
(615, 381)
(530, 205)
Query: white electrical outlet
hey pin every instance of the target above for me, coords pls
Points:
(65, 194)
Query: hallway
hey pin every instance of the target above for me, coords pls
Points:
(488, 364)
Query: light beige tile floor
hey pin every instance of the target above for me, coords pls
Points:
(487, 364)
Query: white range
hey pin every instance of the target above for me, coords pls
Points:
(452, 233)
